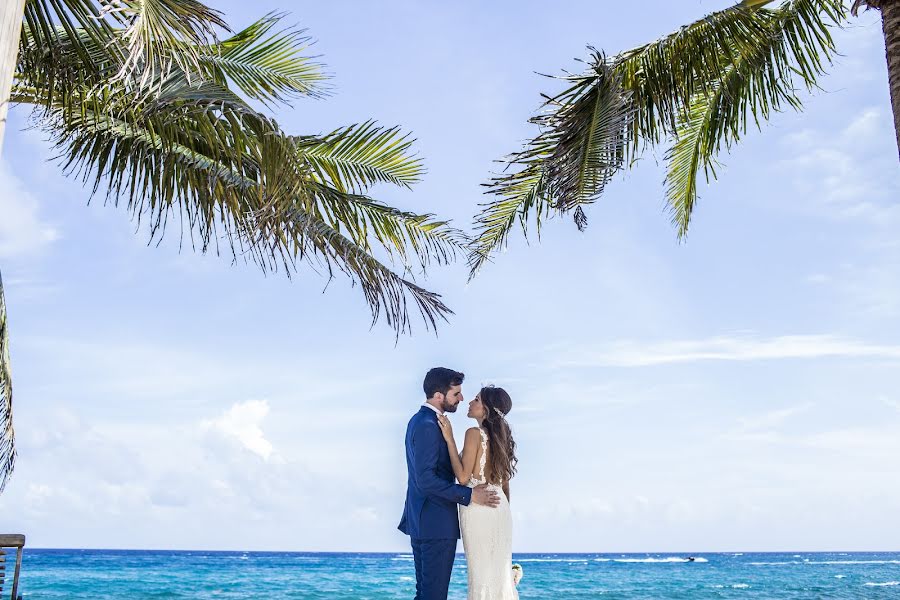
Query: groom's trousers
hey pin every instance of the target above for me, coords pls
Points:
(434, 564)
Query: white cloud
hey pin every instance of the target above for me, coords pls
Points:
(242, 423)
(849, 173)
(773, 418)
(746, 348)
(22, 232)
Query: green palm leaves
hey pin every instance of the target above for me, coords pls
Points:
(143, 101)
(7, 436)
(697, 89)
(147, 105)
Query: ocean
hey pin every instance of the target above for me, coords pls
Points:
(140, 574)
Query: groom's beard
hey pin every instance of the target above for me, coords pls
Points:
(447, 407)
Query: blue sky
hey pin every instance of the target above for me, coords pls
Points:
(736, 392)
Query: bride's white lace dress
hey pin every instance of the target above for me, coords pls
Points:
(487, 539)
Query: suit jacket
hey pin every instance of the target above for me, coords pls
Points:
(431, 492)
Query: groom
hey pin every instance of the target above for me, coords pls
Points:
(430, 516)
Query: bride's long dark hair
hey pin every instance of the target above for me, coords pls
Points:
(503, 447)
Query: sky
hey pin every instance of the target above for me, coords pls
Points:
(733, 392)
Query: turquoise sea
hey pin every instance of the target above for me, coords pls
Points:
(133, 575)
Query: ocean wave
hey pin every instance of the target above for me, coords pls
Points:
(839, 576)
(668, 559)
(885, 584)
(827, 562)
(734, 586)
(855, 562)
(558, 560)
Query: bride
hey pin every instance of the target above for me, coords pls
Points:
(488, 456)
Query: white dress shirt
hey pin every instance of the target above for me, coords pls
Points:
(434, 408)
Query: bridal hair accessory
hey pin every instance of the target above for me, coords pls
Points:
(500, 412)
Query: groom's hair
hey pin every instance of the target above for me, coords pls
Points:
(441, 380)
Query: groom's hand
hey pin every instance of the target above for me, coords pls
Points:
(484, 496)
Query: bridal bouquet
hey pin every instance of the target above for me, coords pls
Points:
(517, 573)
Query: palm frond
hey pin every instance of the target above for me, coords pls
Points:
(216, 167)
(663, 76)
(400, 233)
(517, 194)
(690, 151)
(700, 85)
(581, 146)
(65, 43)
(588, 126)
(265, 65)
(298, 234)
(757, 83)
(7, 435)
(354, 158)
(162, 34)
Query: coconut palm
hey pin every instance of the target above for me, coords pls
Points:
(696, 91)
(148, 106)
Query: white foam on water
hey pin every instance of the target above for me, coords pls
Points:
(668, 559)
(885, 584)
(404, 578)
(738, 554)
(552, 560)
(839, 576)
(828, 562)
(740, 586)
(855, 562)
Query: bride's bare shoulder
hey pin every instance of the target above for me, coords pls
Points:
(473, 435)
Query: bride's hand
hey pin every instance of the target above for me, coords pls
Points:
(446, 427)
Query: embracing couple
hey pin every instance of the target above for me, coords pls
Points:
(482, 470)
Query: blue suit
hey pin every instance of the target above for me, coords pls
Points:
(430, 515)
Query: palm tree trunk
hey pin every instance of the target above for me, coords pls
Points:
(11, 14)
(890, 24)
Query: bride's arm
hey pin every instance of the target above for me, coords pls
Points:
(465, 462)
(506, 489)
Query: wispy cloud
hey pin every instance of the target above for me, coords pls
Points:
(22, 231)
(849, 173)
(773, 418)
(744, 348)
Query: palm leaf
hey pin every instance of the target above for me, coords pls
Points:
(516, 195)
(386, 293)
(700, 86)
(397, 232)
(354, 158)
(581, 146)
(757, 83)
(65, 43)
(589, 127)
(269, 67)
(7, 435)
(219, 173)
(162, 34)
